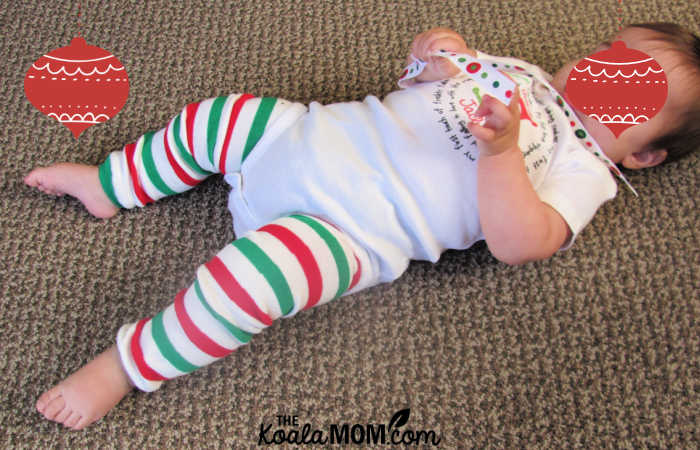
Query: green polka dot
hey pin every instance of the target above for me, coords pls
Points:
(566, 112)
(462, 59)
(496, 84)
(580, 133)
(484, 75)
(494, 65)
(597, 154)
(507, 66)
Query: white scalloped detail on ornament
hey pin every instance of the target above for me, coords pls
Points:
(63, 69)
(618, 73)
(617, 118)
(81, 118)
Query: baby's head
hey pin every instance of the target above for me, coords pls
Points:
(675, 130)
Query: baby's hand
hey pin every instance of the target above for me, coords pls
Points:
(502, 127)
(438, 68)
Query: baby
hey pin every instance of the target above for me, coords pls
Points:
(328, 200)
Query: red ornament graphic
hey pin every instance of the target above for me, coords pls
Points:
(619, 87)
(79, 85)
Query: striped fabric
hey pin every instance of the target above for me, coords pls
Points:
(291, 264)
(215, 135)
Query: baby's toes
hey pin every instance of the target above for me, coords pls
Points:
(45, 399)
(32, 178)
(63, 416)
(54, 407)
(82, 423)
(73, 420)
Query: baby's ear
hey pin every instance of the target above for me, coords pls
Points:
(644, 159)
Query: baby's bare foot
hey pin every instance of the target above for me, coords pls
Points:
(77, 180)
(88, 394)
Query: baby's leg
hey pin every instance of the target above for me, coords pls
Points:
(291, 264)
(212, 136)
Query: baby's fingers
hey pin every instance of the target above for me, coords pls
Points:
(514, 106)
(500, 130)
(496, 113)
(480, 132)
(499, 116)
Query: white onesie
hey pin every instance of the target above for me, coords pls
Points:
(399, 175)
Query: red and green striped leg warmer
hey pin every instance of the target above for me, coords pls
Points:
(212, 136)
(291, 264)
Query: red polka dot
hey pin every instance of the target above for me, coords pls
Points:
(473, 67)
(572, 124)
(508, 94)
(589, 144)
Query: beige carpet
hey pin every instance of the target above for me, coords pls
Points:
(595, 347)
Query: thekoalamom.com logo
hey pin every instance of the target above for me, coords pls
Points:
(346, 434)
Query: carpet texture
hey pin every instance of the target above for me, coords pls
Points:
(595, 347)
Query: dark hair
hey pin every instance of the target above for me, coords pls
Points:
(685, 137)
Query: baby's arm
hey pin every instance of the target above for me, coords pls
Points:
(518, 227)
(438, 68)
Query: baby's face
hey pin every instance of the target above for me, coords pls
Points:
(637, 138)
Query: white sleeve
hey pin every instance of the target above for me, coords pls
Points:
(576, 185)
